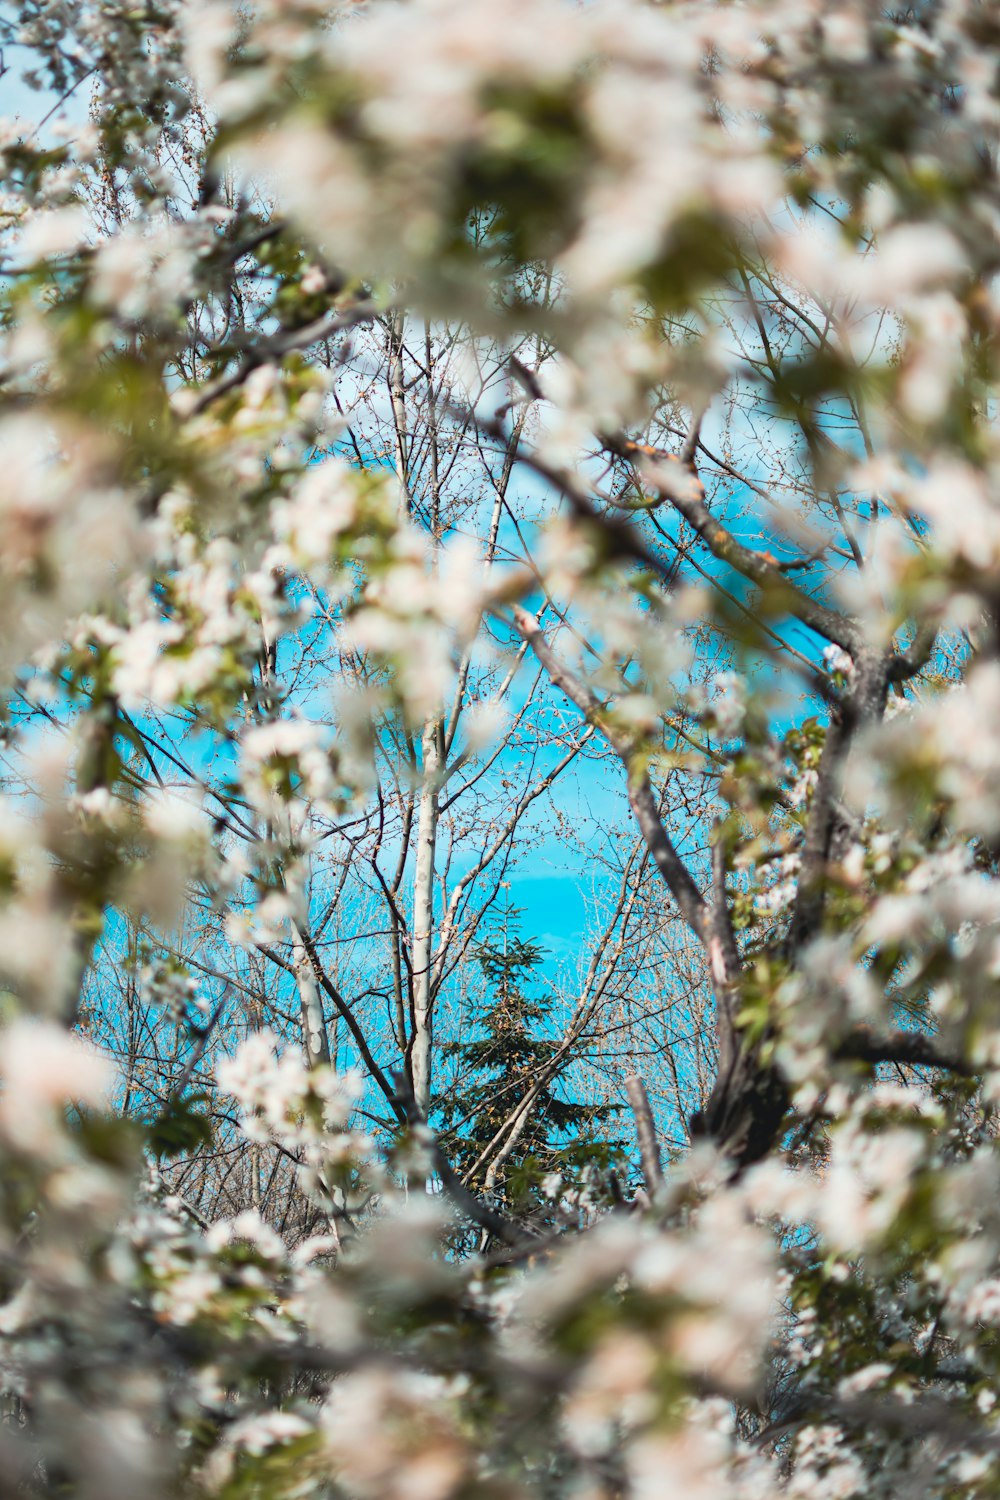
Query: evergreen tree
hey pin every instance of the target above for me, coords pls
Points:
(500, 1069)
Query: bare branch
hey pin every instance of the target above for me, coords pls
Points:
(640, 792)
(462, 1197)
(645, 1130)
(678, 483)
(909, 1048)
(280, 344)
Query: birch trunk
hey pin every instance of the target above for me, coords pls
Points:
(423, 920)
(314, 1037)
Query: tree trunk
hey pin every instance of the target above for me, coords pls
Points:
(423, 921)
(314, 1037)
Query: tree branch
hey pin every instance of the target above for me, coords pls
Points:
(645, 1130)
(276, 347)
(641, 798)
(910, 1048)
(679, 484)
(462, 1197)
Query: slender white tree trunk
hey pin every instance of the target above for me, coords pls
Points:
(317, 1050)
(314, 1037)
(423, 919)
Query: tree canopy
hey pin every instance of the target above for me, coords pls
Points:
(455, 454)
